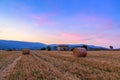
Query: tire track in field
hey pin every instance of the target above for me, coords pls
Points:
(34, 68)
(6, 71)
(67, 75)
(61, 65)
(59, 76)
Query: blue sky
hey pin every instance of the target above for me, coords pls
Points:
(94, 22)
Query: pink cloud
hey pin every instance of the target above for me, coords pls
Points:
(97, 39)
(75, 37)
(98, 28)
(109, 25)
(96, 24)
(107, 40)
(94, 21)
(71, 36)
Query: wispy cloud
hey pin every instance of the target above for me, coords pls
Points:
(95, 21)
(95, 25)
(108, 40)
(72, 36)
(43, 20)
(75, 37)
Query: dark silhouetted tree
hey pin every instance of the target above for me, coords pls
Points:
(49, 48)
(43, 48)
(72, 49)
(85, 46)
(10, 49)
(111, 47)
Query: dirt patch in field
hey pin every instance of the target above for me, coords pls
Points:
(6, 71)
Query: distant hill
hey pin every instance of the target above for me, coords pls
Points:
(19, 45)
(72, 46)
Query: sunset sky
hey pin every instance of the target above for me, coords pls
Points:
(95, 22)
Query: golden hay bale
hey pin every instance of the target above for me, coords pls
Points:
(80, 52)
(25, 51)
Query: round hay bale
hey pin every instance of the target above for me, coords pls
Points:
(80, 52)
(25, 51)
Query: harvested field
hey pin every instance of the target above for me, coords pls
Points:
(61, 65)
(7, 61)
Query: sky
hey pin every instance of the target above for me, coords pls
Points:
(93, 22)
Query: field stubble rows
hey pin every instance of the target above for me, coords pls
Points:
(57, 65)
(7, 61)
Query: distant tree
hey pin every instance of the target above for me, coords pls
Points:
(49, 48)
(72, 49)
(43, 48)
(10, 49)
(85, 46)
(111, 47)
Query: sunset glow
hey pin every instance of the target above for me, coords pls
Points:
(95, 22)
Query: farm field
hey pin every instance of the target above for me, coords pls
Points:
(59, 65)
